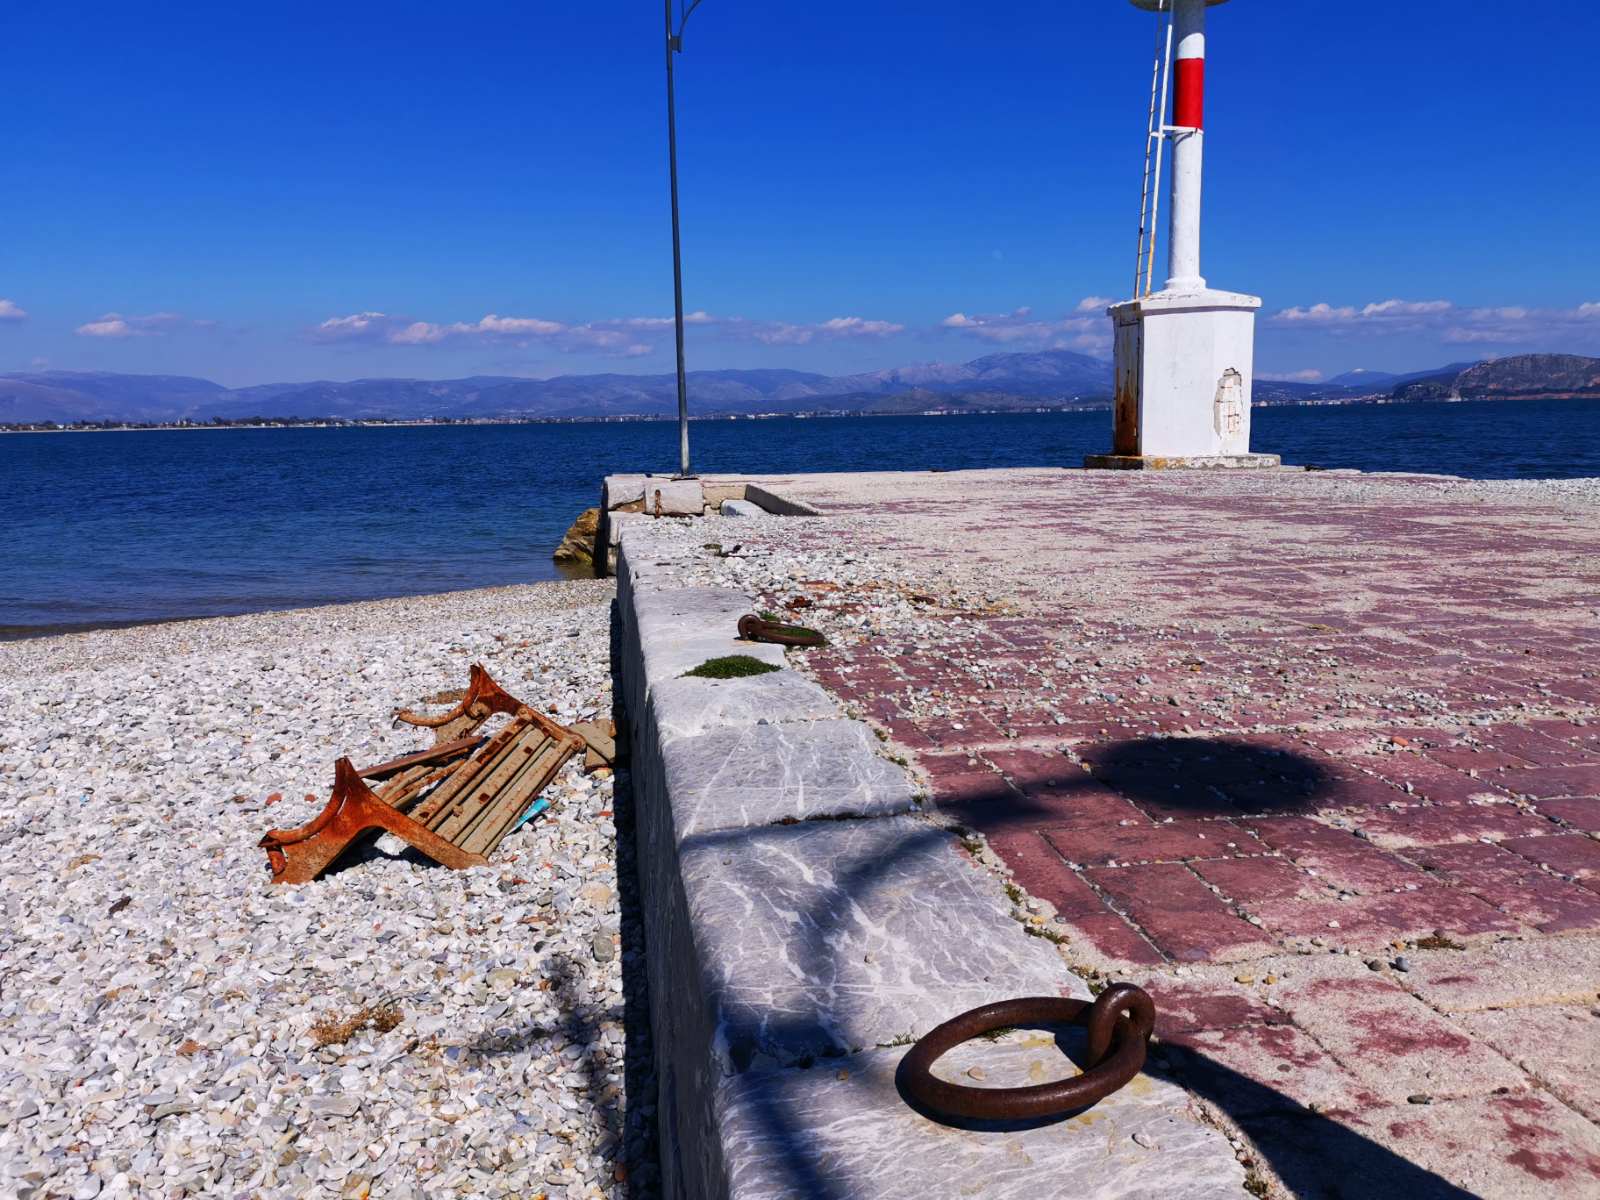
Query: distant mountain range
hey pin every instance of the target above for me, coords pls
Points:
(1053, 378)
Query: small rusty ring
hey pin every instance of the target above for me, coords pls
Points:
(1119, 1023)
(754, 629)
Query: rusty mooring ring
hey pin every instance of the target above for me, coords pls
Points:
(754, 629)
(1119, 1022)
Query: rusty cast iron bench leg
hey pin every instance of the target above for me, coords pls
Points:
(484, 698)
(460, 812)
(300, 855)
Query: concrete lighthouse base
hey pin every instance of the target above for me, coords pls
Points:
(1185, 363)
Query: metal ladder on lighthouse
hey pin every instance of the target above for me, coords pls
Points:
(1154, 146)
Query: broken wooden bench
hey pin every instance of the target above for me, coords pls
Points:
(454, 802)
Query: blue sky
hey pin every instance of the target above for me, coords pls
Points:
(303, 190)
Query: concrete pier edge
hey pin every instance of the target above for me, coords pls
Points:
(805, 923)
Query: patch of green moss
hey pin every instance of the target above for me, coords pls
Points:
(733, 666)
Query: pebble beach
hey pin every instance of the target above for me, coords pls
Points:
(172, 1024)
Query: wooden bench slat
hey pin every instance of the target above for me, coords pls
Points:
(440, 800)
(515, 800)
(471, 802)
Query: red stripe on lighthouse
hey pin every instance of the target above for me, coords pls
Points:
(1189, 100)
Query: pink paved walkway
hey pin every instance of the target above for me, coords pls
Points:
(1316, 759)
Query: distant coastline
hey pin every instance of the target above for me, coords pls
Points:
(1045, 381)
(1096, 405)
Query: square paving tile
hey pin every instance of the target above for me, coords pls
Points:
(1391, 1041)
(1516, 1147)
(1558, 1045)
(1175, 910)
(1372, 922)
(1581, 814)
(1248, 880)
(1041, 872)
(1365, 871)
(1257, 1068)
(1515, 886)
(1435, 783)
(1570, 854)
(1551, 782)
(1115, 939)
(1100, 845)
(1298, 837)
(1184, 1007)
(1508, 974)
(1443, 824)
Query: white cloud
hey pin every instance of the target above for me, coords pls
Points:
(1406, 308)
(1508, 325)
(1095, 304)
(115, 325)
(355, 325)
(1089, 334)
(391, 330)
(787, 333)
(778, 333)
(693, 318)
(108, 326)
(620, 336)
(1309, 375)
(857, 327)
(10, 310)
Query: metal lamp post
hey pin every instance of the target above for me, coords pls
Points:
(675, 46)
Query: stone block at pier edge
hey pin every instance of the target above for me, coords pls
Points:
(689, 707)
(830, 937)
(763, 774)
(841, 1129)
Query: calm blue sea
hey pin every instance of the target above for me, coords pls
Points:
(101, 528)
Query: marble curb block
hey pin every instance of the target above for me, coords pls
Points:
(841, 1131)
(637, 500)
(743, 778)
(782, 506)
(617, 490)
(798, 912)
(674, 497)
(679, 630)
(685, 707)
(830, 937)
(679, 497)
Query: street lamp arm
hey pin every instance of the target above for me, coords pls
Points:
(683, 20)
(687, 13)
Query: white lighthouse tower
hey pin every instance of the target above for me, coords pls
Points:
(1185, 355)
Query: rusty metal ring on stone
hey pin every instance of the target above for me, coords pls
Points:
(1119, 1023)
(754, 629)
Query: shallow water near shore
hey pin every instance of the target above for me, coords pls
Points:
(108, 528)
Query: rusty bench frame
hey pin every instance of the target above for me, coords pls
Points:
(454, 802)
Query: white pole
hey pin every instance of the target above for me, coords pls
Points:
(1188, 148)
(1156, 118)
(1161, 144)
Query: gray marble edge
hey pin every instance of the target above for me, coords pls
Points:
(722, 1160)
